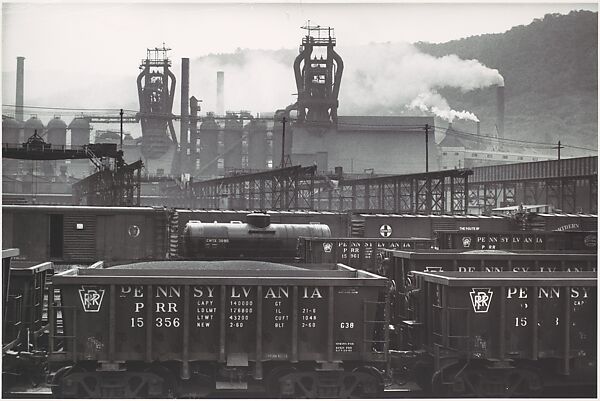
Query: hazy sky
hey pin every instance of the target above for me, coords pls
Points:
(71, 46)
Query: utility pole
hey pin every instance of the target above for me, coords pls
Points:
(283, 144)
(426, 148)
(121, 114)
(559, 147)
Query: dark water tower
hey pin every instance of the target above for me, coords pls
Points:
(257, 144)
(57, 132)
(80, 131)
(156, 92)
(11, 129)
(80, 135)
(31, 126)
(232, 143)
(318, 70)
(209, 147)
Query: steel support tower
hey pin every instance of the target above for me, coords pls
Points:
(318, 76)
(156, 93)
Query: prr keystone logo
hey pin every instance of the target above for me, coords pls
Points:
(466, 241)
(481, 298)
(91, 298)
(327, 247)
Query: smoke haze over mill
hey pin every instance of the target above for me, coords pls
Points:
(377, 79)
(550, 68)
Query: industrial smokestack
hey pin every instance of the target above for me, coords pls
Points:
(478, 128)
(220, 93)
(500, 111)
(20, 86)
(185, 112)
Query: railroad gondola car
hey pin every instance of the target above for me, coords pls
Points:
(502, 334)
(25, 321)
(360, 253)
(399, 266)
(190, 328)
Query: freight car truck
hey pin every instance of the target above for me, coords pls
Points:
(504, 333)
(190, 328)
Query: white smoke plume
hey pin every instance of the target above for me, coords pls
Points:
(389, 76)
(436, 104)
(377, 79)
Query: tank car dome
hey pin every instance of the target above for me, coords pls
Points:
(80, 123)
(56, 123)
(34, 123)
(10, 123)
(260, 220)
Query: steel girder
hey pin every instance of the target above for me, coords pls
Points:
(110, 188)
(567, 184)
(281, 189)
(561, 193)
(439, 192)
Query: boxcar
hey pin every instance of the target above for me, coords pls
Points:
(190, 328)
(563, 222)
(360, 253)
(504, 334)
(423, 226)
(519, 240)
(84, 234)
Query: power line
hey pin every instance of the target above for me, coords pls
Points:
(67, 108)
(464, 133)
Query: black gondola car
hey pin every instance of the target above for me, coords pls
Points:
(399, 266)
(503, 334)
(190, 328)
(360, 253)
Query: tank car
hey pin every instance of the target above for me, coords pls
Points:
(255, 239)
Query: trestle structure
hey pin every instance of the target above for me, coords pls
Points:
(118, 187)
(569, 185)
(290, 188)
(440, 192)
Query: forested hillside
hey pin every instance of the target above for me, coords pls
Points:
(550, 71)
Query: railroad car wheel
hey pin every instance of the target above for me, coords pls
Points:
(56, 385)
(164, 385)
(277, 386)
(485, 382)
(61, 379)
(522, 383)
(365, 382)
